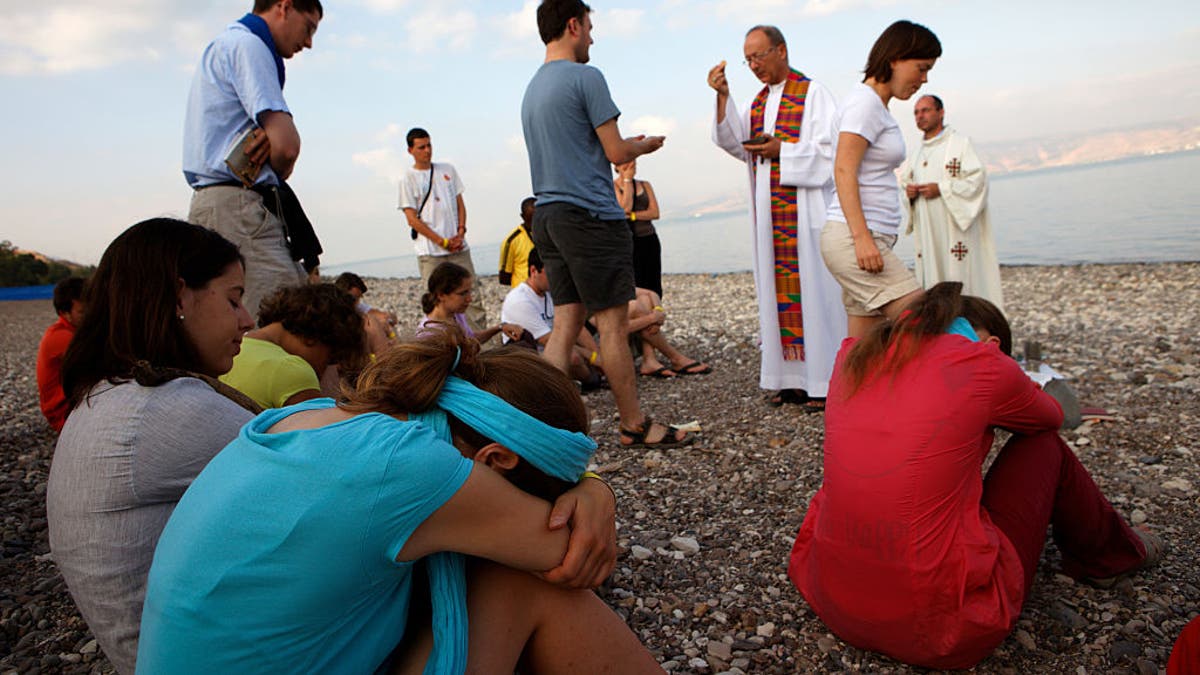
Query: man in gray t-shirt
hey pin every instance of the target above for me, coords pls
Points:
(570, 125)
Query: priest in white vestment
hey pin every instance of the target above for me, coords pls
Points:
(947, 190)
(785, 137)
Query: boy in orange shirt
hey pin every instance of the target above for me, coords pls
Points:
(68, 303)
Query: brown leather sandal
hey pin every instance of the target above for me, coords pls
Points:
(637, 438)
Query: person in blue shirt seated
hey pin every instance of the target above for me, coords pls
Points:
(308, 543)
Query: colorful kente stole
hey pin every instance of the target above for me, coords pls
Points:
(784, 215)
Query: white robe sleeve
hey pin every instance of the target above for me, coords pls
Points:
(965, 196)
(809, 163)
(729, 134)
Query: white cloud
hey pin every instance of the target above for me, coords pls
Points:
(827, 7)
(783, 10)
(437, 29)
(652, 125)
(521, 25)
(189, 37)
(749, 7)
(621, 23)
(384, 6)
(68, 39)
(385, 163)
(69, 36)
(390, 133)
(351, 40)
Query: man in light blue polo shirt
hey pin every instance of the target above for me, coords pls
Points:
(570, 125)
(238, 86)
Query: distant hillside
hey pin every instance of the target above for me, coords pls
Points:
(30, 268)
(1090, 148)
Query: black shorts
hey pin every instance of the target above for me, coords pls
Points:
(587, 259)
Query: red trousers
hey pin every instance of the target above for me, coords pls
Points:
(1185, 657)
(1037, 481)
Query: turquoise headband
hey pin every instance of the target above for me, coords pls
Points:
(553, 451)
(960, 326)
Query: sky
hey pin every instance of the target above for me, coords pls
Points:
(94, 96)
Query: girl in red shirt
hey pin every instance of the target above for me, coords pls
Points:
(907, 549)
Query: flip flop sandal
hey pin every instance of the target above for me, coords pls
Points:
(695, 368)
(638, 438)
(661, 374)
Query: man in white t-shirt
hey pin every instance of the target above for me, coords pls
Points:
(432, 202)
(530, 306)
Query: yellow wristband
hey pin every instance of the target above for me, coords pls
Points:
(592, 474)
(633, 216)
(592, 358)
(658, 308)
(445, 243)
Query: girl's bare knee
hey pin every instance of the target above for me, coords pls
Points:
(488, 581)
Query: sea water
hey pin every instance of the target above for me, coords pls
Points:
(1144, 209)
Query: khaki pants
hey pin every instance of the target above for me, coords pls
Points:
(476, 315)
(239, 215)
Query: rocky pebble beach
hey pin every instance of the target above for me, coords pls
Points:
(706, 530)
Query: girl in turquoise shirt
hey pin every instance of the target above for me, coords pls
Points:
(307, 544)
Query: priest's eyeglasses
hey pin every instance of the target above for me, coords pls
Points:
(752, 59)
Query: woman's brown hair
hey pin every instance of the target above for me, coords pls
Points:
(409, 376)
(899, 41)
(981, 313)
(444, 279)
(132, 302)
(889, 346)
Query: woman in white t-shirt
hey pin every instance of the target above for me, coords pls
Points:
(864, 213)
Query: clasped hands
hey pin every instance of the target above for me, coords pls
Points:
(590, 509)
(453, 244)
(926, 190)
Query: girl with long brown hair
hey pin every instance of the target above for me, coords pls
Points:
(908, 549)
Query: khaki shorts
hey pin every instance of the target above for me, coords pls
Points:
(239, 215)
(864, 293)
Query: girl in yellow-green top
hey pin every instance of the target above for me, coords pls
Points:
(302, 330)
